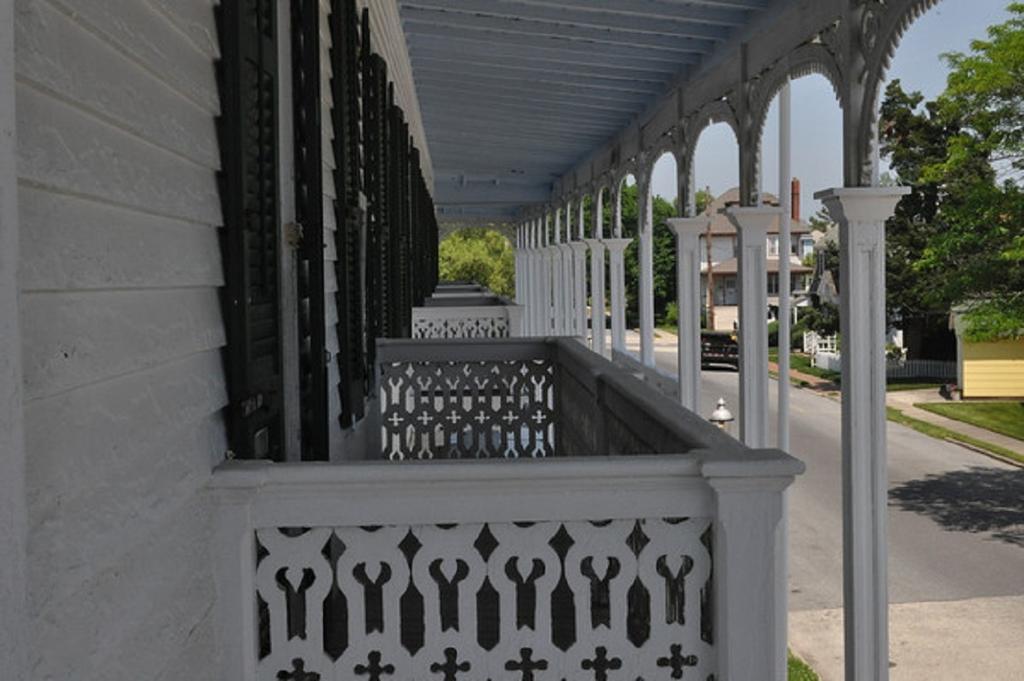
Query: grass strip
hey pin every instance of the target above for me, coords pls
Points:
(941, 433)
(1006, 418)
(799, 670)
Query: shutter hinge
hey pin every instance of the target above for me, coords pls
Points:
(293, 234)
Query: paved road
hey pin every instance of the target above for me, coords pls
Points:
(956, 527)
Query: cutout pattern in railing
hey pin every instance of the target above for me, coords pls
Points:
(622, 599)
(467, 410)
(495, 326)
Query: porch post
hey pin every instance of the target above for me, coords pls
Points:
(566, 288)
(579, 268)
(535, 256)
(645, 213)
(549, 268)
(14, 625)
(597, 343)
(688, 232)
(568, 274)
(616, 252)
(557, 288)
(861, 214)
(519, 264)
(785, 319)
(752, 224)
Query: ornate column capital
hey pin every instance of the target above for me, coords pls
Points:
(686, 226)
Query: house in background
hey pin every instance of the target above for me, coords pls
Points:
(987, 369)
(724, 261)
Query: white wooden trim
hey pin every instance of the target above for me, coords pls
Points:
(14, 626)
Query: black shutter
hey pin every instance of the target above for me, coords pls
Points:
(247, 134)
(309, 215)
(348, 207)
(378, 217)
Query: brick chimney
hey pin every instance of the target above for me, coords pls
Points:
(794, 197)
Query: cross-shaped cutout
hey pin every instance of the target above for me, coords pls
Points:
(424, 418)
(525, 665)
(509, 417)
(374, 668)
(453, 417)
(395, 420)
(481, 417)
(538, 418)
(298, 673)
(677, 661)
(451, 665)
(601, 664)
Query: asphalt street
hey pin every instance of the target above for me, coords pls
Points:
(956, 517)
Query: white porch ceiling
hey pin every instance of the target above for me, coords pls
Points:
(514, 93)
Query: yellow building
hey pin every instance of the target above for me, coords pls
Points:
(989, 369)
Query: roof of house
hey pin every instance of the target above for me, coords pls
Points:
(720, 224)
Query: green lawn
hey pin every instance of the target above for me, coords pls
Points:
(799, 671)
(945, 434)
(898, 384)
(802, 363)
(1001, 417)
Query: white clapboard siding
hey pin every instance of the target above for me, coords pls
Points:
(122, 333)
(75, 244)
(149, 39)
(49, 54)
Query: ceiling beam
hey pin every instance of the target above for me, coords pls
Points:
(444, 60)
(677, 27)
(538, 79)
(528, 87)
(467, 92)
(557, 122)
(469, 44)
(414, 18)
(709, 13)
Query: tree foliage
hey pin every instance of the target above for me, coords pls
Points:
(480, 255)
(958, 238)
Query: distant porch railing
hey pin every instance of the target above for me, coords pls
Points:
(547, 516)
(467, 315)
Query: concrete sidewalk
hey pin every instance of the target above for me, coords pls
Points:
(988, 636)
(904, 400)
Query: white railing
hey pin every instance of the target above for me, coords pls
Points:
(461, 316)
(659, 560)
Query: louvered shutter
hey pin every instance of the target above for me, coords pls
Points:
(309, 214)
(349, 208)
(247, 132)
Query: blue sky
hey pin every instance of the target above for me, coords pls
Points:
(817, 129)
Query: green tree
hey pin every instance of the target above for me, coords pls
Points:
(663, 247)
(479, 255)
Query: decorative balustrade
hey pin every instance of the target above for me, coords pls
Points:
(577, 564)
(466, 315)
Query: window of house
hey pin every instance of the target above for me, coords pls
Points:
(773, 283)
(773, 246)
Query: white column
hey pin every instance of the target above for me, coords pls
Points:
(616, 253)
(645, 213)
(748, 516)
(566, 287)
(861, 214)
(752, 224)
(519, 265)
(785, 203)
(579, 285)
(550, 272)
(557, 285)
(597, 342)
(688, 232)
(580, 271)
(533, 309)
(15, 639)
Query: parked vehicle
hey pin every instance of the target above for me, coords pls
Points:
(719, 348)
